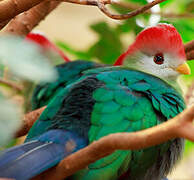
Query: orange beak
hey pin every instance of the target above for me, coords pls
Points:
(183, 69)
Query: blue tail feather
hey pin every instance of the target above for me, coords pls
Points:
(15, 152)
(45, 152)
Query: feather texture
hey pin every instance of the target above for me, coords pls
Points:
(102, 101)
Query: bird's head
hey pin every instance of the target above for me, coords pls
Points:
(157, 50)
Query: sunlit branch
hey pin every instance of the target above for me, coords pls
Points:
(25, 22)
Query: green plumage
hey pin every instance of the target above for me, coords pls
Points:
(67, 73)
(125, 101)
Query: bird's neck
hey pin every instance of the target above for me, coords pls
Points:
(133, 61)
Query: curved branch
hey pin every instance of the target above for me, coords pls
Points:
(133, 6)
(27, 20)
(180, 126)
(11, 8)
(142, 9)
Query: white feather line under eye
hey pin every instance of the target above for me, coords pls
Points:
(144, 62)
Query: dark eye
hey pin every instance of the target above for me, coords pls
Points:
(159, 58)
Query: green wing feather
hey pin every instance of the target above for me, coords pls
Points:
(128, 102)
(67, 74)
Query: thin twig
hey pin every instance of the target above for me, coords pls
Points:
(142, 9)
(11, 84)
(180, 126)
(133, 6)
(88, 2)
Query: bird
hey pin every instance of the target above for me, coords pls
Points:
(140, 91)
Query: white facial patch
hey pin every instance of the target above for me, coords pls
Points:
(146, 63)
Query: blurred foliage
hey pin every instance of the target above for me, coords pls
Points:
(25, 61)
(110, 42)
(9, 118)
(189, 147)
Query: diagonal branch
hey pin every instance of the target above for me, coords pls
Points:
(11, 8)
(101, 6)
(133, 6)
(180, 126)
(3, 24)
(19, 6)
(25, 22)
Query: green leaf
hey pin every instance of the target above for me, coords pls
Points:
(109, 46)
(185, 28)
(166, 3)
(189, 147)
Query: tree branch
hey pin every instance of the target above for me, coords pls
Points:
(11, 84)
(3, 24)
(25, 22)
(133, 6)
(142, 9)
(11, 8)
(19, 6)
(190, 55)
(31, 18)
(180, 126)
(189, 50)
(189, 46)
(28, 121)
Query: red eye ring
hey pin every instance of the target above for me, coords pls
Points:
(159, 58)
